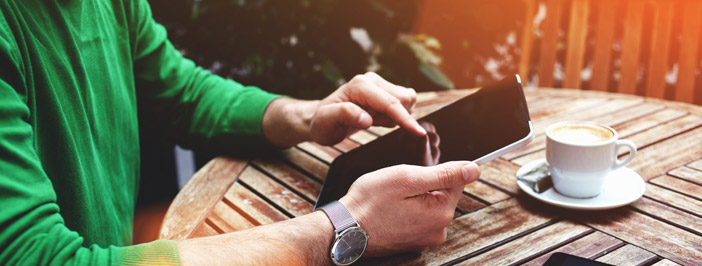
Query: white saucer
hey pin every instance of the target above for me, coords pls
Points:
(623, 186)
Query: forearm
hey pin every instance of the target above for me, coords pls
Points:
(301, 241)
(286, 121)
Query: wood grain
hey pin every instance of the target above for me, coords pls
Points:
(664, 131)
(500, 173)
(203, 230)
(575, 50)
(224, 220)
(604, 38)
(247, 204)
(697, 165)
(485, 192)
(482, 229)
(566, 108)
(301, 183)
(347, 145)
(549, 43)
(197, 197)
(679, 185)
(665, 263)
(648, 233)
(674, 199)
(673, 215)
(632, 41)
(363, 137)
(688, 173)
(467, 204)
(604, 108)
(688, 53)
(628, 255)
(590, 246)
(523, 248)
(275, 192)
(325, 153)
(660, 49)
(306, 162)
(527, 40)
(658, 158)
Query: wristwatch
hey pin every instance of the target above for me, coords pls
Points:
(350, 239)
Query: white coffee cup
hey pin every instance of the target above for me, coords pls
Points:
(581, 154)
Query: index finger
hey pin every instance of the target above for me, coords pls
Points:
(380, 100)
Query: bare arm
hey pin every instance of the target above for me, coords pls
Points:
(304, 240)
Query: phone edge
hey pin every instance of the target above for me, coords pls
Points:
(507, 149)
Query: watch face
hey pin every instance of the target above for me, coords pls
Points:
(349, 246)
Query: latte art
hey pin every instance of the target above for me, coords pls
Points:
(581, 133)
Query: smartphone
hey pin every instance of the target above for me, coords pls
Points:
(563, 259)
(479, 127)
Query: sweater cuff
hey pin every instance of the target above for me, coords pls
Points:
(159, 252)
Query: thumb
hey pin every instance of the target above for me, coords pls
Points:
(348, 115)
(332, 122)
(444, 176)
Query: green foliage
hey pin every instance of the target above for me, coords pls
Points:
(304, 48)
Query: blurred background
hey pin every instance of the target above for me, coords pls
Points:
(306, 49)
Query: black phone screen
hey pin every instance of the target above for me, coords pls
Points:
(476, 125)
(563, 259)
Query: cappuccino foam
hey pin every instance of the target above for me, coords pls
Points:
(581, 133)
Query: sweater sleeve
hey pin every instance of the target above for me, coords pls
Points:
(199, 109)
(32, 230)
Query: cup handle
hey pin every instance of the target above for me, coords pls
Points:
(632, 152)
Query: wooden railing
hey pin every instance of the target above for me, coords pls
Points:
(644, 47)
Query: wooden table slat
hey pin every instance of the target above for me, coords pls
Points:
(688, 173)
(325, 153)
(347, 145)
(649, 233)
(500, 173)
(590, 246)
(275, 192)
(482, 229)
(628, 255)
(467, 204)
(697, 165)
(306, 162)
(195, 200)
(679, 185)
(222, 219)
(665, 262)
(255, 209)
(674, 199)
(537, 242)
(485, 192)
(612, 106)
(664, 212)
(301, 183)
(658, 158)
(363, 137)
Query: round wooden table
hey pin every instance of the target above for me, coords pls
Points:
(495, 223)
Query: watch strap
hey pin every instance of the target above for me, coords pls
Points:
(338, 214)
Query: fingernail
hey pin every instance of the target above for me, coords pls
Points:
(421, 130)
(364, 119)
(471, 172)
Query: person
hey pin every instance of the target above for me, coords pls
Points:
(71, 74)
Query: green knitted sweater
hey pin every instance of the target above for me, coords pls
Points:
(71, 73)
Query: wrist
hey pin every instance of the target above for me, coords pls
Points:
(287, 121)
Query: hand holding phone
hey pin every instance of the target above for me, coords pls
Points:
(479, 127)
